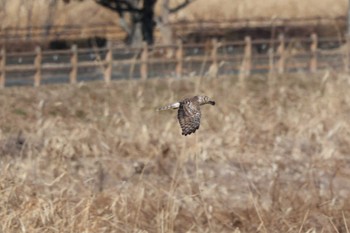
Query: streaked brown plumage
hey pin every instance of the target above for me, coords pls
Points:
(189, 113)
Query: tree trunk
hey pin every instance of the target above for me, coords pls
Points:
(164, 26)
(135, 37)
(147, 21)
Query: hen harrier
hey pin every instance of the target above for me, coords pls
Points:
(189, 113)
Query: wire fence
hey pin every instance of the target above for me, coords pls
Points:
(214, 58)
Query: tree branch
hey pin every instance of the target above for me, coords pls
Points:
(180, 6)
(119, 6)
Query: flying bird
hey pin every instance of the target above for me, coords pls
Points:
(189, 112)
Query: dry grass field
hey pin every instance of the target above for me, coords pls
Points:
(19, 13)
(269, 157)
(249, 9)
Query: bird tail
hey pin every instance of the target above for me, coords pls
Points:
(169, 106)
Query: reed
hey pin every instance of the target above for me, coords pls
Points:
(99, 158)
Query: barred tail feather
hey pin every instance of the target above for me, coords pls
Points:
(170, 106)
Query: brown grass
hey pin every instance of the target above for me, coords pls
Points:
(96, 158)
(18, 13)
(247, 9)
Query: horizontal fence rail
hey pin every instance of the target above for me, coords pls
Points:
(213, 58)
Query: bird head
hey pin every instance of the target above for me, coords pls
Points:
(206, 100)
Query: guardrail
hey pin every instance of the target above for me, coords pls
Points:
(211, 59)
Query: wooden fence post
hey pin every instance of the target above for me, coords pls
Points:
(247, 59)
(313, 49)
(281, 54)
(144, 61)
(271, 62)
(213, 70)
(347, 56)
(179, 58)
(74, 64)
(272, 74)
(3, 68)
(248, 55)
(109, 62)
(37, 64)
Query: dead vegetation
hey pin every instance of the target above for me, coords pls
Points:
(249, 9)
(269, 157)
(37, 13)
(42, 13)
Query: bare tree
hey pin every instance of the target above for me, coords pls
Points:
(141, 13)
(137, 18)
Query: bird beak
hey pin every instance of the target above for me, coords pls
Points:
(212, 102)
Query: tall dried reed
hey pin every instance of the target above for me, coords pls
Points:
(96, 158)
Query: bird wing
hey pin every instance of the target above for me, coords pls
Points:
(169, 106)
(189, 116)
